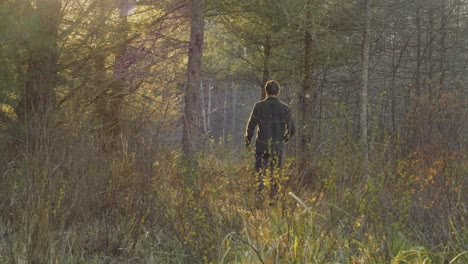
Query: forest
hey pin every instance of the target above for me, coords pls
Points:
(122, 131)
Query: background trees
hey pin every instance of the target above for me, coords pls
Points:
(94, 96)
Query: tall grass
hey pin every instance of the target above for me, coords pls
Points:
(69, 200)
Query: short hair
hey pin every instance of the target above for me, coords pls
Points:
(272, 87)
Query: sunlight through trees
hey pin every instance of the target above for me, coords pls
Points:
(122, 129)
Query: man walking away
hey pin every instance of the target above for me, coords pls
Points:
(275, 126)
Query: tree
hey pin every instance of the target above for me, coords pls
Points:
(110, 103)
(365, 85)
(192, 130)
(36, 113)
(38, 96)
(259, 29)
(307, 87)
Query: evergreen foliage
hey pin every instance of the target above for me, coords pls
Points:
(91, 118)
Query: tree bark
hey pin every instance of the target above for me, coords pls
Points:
(442, 55)
(430, 52)
(112, 122)
(203, 109)
(418, 52)
(307, 87)
(192, 131)
(365, 87)
(38, 96)
(109, 102)
(306, 97)
(234, 115)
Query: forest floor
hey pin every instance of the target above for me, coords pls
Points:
(114, 209)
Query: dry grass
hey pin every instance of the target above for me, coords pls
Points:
(69, 200)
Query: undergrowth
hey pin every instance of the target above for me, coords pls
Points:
(87, 204)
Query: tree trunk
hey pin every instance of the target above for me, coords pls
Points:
(38, 96)
(417, 74)
(306, 97)
(35, 110)
(225, 118)
(112, 121)
(203, 109)
(307, 87)
(365, 88)
(266, 63)
(393, 83)
(192, 130)
(206, 107)
(210, 88)
(234, 115)
(109, 102)
(430, 52)
(442, 55)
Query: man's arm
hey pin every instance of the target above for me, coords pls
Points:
(251, 124)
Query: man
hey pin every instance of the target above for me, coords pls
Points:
(275, 126)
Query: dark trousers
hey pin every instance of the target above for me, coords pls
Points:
(267, 162)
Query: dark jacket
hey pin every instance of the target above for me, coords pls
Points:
(275, 125)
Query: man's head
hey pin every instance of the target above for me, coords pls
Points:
(272, 88)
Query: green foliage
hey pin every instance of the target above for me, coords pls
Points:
(75, 194)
